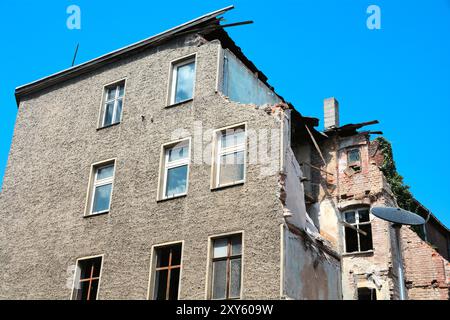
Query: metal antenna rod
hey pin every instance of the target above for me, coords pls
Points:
(75, 55)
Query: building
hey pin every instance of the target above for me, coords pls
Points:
(344, 178)
(171, 169)
(133, 176)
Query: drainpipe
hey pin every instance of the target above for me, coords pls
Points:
(400, 271)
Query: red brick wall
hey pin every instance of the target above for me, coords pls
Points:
(426, 271)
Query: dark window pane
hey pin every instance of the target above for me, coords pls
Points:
(86, 267)
(105, 172)
(83, 291)
(162, 255)
(353, 156)
(185, 82)
(118, 111)
(109, 109)
(236, 245)
(350, 217)
(111, 94)
(93, 292)
(366, 241)
(174, 281)
(176, 181)
(219, 279)
(235, 278)
(121, 90)
(367, 294)
(160, 285)
(363, 215)
(351, 240)
(176, 255)
(102, 196)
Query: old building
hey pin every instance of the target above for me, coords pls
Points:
(171, 169)
(163, 170)
(344, 179)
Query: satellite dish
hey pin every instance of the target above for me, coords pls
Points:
(397, 216)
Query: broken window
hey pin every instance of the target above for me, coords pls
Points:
(226, 267)
(230, 156)
(367, 294)
(87, 279)
(183, 80)
(112, 105)
(102, 188)
(167, 272)
(176, 168)
(358, 231)
(354, 159)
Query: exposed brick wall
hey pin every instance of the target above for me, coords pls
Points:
(426, 271)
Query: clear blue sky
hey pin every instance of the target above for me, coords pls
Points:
(310, 50)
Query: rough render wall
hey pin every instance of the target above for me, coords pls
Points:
(426, 271)
(44, 192)
(306, 260)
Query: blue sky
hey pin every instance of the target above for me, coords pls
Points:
(310, 50)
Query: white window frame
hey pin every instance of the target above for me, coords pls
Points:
(76, 274)
(174, 76)
(356, 225)
(166, 165)
(94, 183)
(219, 152)
(116, 85)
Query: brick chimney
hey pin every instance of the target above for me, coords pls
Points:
(331, 113)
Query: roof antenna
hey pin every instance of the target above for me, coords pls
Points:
(75, 55)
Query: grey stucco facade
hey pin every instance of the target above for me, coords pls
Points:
(57, 139)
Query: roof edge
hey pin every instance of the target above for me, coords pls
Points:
(95, 63)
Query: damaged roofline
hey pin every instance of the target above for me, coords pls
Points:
(112, 56)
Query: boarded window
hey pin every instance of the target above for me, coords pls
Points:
(167, 272)
(87, 279)
(227, 267)
(358, 231)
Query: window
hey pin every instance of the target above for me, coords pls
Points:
(358, 231)
(354, 159)
(87, 279)
(166, 273)
(182, 81)
(230, 157)
(226, 267)
(367, 294)
(176, 158)
(112, 105)
(102, 186)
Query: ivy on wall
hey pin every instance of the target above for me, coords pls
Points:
(405, 198)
